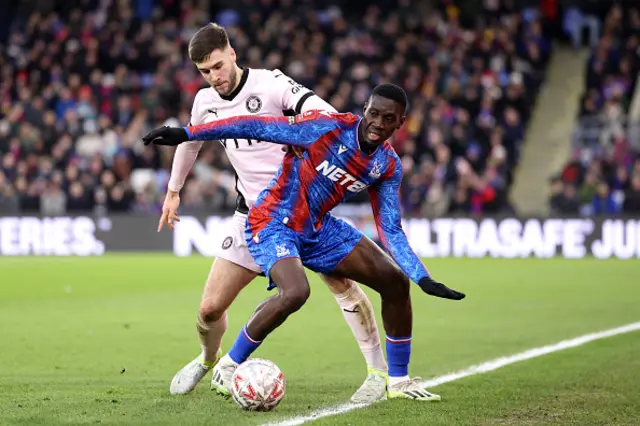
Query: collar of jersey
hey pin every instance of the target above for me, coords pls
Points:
(243, 80)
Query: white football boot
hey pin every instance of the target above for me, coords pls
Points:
(186, 379)
(222, 373)
(411, 389)
(373, 389)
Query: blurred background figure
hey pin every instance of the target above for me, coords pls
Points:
(82, 80)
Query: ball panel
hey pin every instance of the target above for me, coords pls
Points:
(258, 385)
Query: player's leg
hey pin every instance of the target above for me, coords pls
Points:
(225, 281)
(359, 315)
(369, 265)
(277, 254)
(342, 250)
(232, 270)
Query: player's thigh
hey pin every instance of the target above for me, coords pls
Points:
(368, 264)
(232, 270)
(330, 246)
(225, 281)
(275, 249)
(231, 244)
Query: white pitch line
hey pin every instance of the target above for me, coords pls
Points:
(485, 367)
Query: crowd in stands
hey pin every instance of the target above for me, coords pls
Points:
(81, 83)
(602, 177)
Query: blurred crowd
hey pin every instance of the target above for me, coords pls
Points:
(602, 177)
(82, 80)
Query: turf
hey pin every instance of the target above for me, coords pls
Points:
(97, 340)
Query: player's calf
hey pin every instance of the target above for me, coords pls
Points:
(394, 289)
(358, 313)
(210, 335)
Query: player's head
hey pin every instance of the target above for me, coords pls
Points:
(384, 113)
(210, 50)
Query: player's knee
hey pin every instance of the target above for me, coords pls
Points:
(294, 298)
(211, 310)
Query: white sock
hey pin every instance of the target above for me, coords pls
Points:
(226, 359)
(210, 336)
(396, 380)
(358, 312)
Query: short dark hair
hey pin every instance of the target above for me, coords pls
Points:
(207, 39)
(393, 92)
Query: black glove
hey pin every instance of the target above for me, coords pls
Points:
(166, 136)
(434, 288)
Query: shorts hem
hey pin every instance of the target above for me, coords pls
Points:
(257, 270)
(337, 264)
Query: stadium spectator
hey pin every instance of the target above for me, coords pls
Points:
(79, 87)
(632, 197)
(601, 166)
(564, 200)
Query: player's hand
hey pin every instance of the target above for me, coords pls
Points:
(297, 150)
(166, 135)
(434, 288)
(169, 211)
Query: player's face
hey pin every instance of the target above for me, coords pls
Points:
(220, 70)
(382, 117)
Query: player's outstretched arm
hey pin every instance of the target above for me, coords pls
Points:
(386, 211)
(301, 130)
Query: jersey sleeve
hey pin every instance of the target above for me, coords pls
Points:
(186, 154)
(300, 130)
(293, 96)
(317, 103)
(386, 211)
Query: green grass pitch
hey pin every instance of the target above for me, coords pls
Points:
(97, 341)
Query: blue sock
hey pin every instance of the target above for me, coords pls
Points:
(398, 355)
(243, 347)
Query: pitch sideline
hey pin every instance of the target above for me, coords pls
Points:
(485, 367)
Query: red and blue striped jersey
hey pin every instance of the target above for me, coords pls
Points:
(332, 169)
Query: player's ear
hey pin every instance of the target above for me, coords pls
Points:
(402, 120)
(232, 53)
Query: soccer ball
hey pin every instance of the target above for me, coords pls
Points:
(258, 385)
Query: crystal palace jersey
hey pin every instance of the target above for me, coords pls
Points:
(333, 169)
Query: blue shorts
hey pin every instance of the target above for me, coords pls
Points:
(321, 252)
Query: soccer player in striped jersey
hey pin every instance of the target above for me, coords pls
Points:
(259, 92)
(290, 225)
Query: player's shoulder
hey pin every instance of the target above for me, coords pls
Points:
(341, 119)
(267, 75)
(204, 100)
(389, 150)
(205, 96)
(347, 118)
(393, 159)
